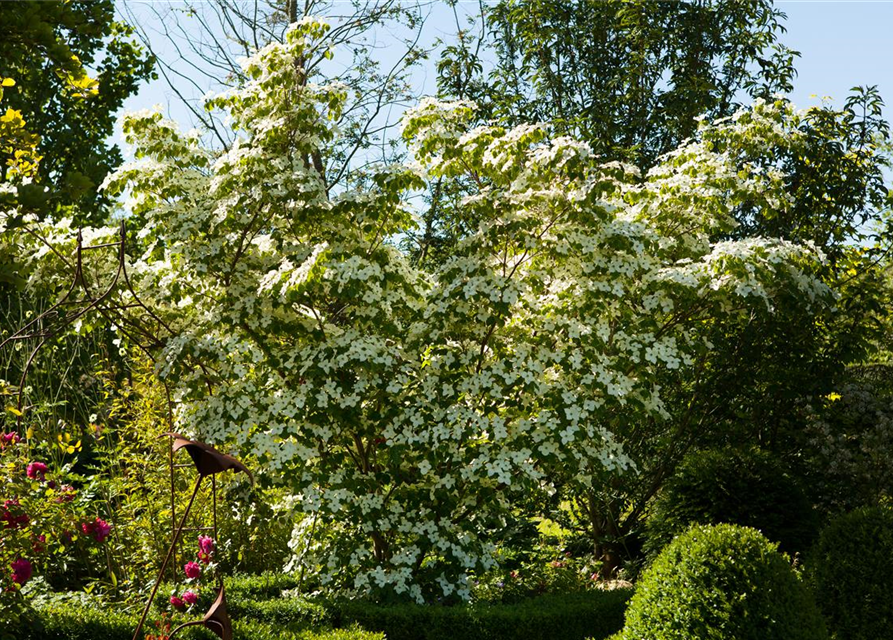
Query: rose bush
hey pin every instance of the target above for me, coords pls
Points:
(41, 521)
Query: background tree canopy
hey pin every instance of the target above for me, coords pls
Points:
(73, 65)
(629, 78)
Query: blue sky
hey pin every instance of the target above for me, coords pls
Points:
(842, 43)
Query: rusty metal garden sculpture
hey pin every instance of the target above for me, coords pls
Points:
(208, 462)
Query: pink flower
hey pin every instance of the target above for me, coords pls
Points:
(9, 438)
(206, 545)
(37, 471)
(594, 576)
(21, 571)
(13, 520)
(190, 597)
(99, 529)
(176, 603)
(192, 570)
(557, 564)
(102, 529)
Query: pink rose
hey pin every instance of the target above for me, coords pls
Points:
(176, 603)
(9, 438)
(21, 571)
(192, 570)
(206, 545)
(99, 529)
(13, 515)
(37, 471)
(190, 597)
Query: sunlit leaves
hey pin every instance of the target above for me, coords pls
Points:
(412, 407)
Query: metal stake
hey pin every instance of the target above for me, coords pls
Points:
(167, 558)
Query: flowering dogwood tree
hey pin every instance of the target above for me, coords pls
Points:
(408, 410)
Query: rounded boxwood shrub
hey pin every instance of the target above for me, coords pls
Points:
(722, 582)
(851, 572)
(745, 487)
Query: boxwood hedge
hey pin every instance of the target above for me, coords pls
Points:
(256, 615)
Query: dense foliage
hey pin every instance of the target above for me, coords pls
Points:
(413, 406)
(718, 582)
(628, 77)
(851, 572)
(851, 434)
(481, 370)
(747, 488)
(48, 48)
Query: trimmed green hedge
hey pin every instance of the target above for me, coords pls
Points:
(295, 612)
(593, 614)
(72, 623)
(261, 587)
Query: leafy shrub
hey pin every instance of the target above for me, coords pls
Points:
(722, 582)
(517, 582)
(46, 523)
(591, 614)
(261, 586)
(850, 436)
(58, 622)
(851, 571)
(747, 488)
(130, 469)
